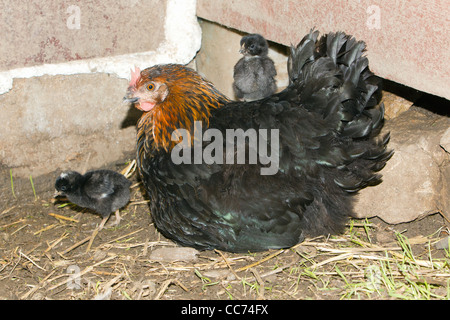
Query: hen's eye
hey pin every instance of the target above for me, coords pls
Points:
(150, 87)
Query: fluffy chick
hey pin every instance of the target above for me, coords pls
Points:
(254, 73)
(103, 191)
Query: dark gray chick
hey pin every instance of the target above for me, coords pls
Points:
(254, 73)
(103, 191)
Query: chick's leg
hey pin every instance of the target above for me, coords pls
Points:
(115, 223)
(118, 219)
(96, 231)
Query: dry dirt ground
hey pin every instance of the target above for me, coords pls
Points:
(43, 256)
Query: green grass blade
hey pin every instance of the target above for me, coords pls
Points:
(12, 183)
(32, 186)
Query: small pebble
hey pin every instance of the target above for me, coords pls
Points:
(170, 254)
(219, 274)
(443, 243)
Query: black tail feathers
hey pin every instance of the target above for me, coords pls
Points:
(301, 55)
(332, 76)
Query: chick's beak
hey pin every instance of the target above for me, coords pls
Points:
(242, 50)
(58, 194)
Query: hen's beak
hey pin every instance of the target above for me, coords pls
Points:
(129, 97)
(130, 100)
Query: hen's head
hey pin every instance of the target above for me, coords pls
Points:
(146, 92)
(154, 87)
(254, 45)
(172, 97)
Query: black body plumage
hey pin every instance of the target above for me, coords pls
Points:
(103, 191)
(254, 74)
(328, 120)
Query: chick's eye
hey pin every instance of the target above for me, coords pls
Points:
(150, 87)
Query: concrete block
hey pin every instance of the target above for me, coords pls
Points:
(38, 32)
(179, 29)
(65, 122)
(65, 110)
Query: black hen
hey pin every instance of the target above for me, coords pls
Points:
(254, 73)
(327, 149)
(103, 191)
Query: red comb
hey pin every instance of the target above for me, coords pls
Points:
(135, 76)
